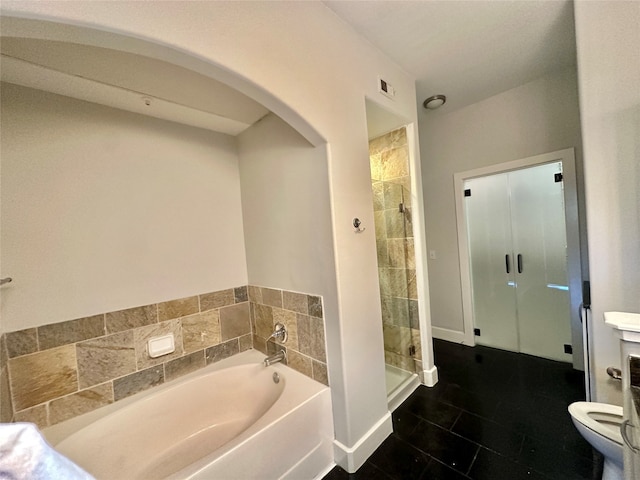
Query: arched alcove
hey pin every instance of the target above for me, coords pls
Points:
(150, 78)
(114, 205)
(43, 30)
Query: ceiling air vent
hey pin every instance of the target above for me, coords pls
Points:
(386, 89)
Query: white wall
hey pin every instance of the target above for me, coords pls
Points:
(286, 209)
(538, 117)
(104, 210)
(314, 71)
(608, 44)
(287, 223)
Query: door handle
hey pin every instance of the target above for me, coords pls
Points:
(519, 263)
(507, 263)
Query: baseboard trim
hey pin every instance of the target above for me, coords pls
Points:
(430, 376)
(352, 458)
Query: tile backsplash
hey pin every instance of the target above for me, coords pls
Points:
(54, 372)
(302, 317)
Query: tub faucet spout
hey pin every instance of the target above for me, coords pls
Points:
(275, 358)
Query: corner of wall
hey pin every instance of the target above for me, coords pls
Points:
(352, 458)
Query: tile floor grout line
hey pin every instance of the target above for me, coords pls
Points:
(468, 473)
(456, 420)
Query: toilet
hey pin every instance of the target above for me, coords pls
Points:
(599, 424)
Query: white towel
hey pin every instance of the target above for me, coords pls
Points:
(26, 455)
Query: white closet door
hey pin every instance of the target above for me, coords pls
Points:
(493, 289)
(540, 248)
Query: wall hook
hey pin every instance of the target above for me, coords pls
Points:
(5, 280)
(356, 225)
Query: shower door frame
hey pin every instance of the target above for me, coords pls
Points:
(574, 269)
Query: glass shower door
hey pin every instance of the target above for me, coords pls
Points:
(391, 188)
(396, 263)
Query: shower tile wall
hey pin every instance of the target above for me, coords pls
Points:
(55, 372)
(391, 184)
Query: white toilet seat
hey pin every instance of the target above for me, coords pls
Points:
(602, 418)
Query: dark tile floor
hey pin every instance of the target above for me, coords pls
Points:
(493, 415)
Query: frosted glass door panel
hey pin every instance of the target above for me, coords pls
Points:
(539, 241)
(493, 291)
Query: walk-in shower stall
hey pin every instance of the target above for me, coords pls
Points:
(391, 184)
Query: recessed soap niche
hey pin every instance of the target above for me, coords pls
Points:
(161, 345)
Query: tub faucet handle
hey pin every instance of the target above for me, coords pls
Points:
(280, 333)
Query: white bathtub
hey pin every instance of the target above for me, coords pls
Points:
(227, 421)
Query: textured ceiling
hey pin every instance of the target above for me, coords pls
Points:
(467, 50)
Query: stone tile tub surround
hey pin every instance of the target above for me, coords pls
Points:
(302, 316)
(55, 372)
